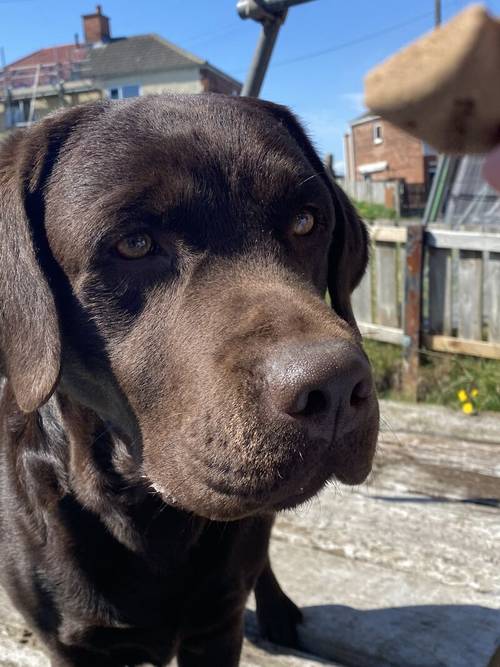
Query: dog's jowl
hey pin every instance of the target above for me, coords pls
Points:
(174, 375)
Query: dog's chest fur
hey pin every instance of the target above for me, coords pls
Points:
(77, 579)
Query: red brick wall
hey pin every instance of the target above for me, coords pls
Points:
(402, 152)
(212, 83)
(96, 27)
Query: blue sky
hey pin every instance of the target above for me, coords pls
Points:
(323, 51)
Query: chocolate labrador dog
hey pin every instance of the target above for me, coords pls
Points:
(174, 375)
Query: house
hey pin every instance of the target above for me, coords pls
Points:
(103, 66)
(376, 150)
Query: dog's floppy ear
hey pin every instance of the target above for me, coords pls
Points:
(30, 348)
(348, 255)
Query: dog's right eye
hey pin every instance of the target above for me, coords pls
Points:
(134, 246)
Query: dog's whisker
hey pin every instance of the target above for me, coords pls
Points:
(309, 178)
(391, 430)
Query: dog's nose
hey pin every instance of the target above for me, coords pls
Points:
(323, 385)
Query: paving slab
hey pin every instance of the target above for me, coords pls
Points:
(365, 615)
(438, 421)
(404, 570)
(401, 572)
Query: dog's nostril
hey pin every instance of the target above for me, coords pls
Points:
(311, 403)
(362, 390)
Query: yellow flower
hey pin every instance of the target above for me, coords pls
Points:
(462, 395)
(468, 408)
(474, 392)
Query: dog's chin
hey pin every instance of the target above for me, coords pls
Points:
(218, 501)
(350, 477)
(217, 506)
(354, 476)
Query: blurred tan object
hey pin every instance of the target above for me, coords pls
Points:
(445, 87)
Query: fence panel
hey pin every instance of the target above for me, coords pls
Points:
(388, 312)
(440, 281)
(475, 290)
(470, 294)
(494, 300)
(462, 293)
(362, 299)
(375, 192)
(377, 302)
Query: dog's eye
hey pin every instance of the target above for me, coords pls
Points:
(303, 223)
(134, 246)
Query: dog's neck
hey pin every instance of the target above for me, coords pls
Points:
(70, 455)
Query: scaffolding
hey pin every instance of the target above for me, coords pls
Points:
(22, 84)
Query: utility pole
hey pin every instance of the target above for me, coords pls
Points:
(271, 15)
(437, 13)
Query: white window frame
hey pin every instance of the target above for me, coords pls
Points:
(378, 133)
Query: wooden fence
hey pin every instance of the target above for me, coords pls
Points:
(434, 289)
(386, 193)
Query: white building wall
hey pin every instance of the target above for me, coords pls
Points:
(185, 80)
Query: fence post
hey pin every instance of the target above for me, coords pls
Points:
(329, 164)
(412, 309)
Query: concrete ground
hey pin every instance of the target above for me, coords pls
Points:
(401, 572)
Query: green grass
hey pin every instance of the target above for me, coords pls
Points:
(441, 376)
(374, 211)
(386, 363)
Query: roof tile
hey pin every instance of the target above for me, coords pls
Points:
(139, 54)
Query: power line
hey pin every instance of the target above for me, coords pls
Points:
(353, 42)
(210, 33)
(210, 37)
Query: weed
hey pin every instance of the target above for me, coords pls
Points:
(371, 212)
(442, 378)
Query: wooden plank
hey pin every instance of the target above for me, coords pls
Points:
(388, 234)
(440, 277)
(382, 334)
(362, 299)
(470, 294)
(477, 241)
(462, 346)
(494, 300)
(412, 309)
(387, 311)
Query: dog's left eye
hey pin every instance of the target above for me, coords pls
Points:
(134, 246)
(303, 223)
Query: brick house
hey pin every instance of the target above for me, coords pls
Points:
(103, 66)
(376, 150)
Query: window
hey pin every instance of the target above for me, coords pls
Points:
(130, 91)
(378, 137)
(17, 113)
(123, 92)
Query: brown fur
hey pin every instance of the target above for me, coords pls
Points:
(146, 438)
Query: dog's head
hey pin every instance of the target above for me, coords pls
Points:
(164, 261)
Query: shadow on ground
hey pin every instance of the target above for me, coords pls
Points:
(414, 636)
(423, 500)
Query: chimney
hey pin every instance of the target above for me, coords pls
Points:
(96, 27)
